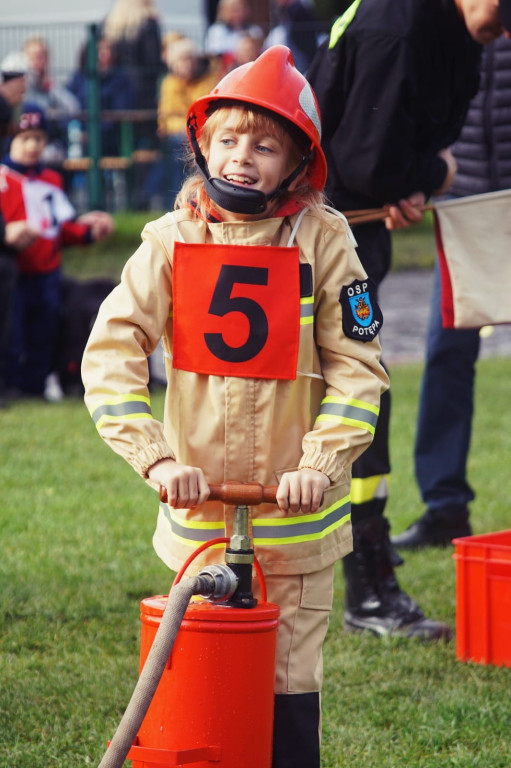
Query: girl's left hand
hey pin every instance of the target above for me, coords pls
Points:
(302, 490)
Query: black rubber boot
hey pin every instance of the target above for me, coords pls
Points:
(434, 530)
(296, 741)
(374, 600)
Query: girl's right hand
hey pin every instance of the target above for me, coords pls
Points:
(186, 486)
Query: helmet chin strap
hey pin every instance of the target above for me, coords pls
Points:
(235, 198)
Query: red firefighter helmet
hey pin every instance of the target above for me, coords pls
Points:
(273, 83)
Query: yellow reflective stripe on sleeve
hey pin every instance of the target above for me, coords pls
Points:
(307, 310)
(192, 532)
(124, 407)
(356, 413)
(342, 23)
(368, 488)
(293, 530)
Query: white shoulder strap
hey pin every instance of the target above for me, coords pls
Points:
(343, 217)
(174, 220)
(328, 208)
(295, 228)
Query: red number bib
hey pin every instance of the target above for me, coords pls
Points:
(236, 310)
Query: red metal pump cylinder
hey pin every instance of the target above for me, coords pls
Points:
(214, 703)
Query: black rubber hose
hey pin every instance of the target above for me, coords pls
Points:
(152, 671)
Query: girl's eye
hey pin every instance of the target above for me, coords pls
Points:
(265, 148)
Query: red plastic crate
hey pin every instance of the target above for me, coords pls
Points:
(483, 598)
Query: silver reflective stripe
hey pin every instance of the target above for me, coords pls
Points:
(307, 310)
(308, 104)
(290, 530)
(122, 409)
(351, 411)
(193, 531)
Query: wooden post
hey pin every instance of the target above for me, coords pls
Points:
(94, 120)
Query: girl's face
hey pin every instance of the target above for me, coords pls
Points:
(256, 157)
(27, 147)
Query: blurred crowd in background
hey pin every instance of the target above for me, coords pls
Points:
(147, 76)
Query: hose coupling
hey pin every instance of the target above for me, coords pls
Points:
(220, 582)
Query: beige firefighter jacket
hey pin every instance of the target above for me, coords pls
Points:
(234, 428)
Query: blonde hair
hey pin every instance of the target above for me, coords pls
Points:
(249, 120)
(168, 39)
(126, 18)
(179, 49)
(35, 40)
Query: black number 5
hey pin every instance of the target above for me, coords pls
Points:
(222, 303)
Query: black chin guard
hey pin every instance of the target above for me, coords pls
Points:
(234, 198)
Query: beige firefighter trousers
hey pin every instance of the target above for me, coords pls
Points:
(305, 602)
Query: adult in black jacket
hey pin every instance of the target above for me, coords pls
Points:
(394, 82)
(483, 155)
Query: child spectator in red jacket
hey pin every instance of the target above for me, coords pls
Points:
(33, 202)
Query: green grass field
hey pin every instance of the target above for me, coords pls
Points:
(77, 559)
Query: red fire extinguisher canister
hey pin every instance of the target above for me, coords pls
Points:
(214, 703)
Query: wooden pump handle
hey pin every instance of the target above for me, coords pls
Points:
(233, 492)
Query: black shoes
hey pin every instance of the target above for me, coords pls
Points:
(427, 532)
(374, 600)
(394, 614)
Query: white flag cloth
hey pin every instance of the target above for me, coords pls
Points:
(473, 236)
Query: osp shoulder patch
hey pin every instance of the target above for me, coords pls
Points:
(362, 318)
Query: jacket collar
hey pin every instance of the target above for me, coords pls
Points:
(26, 170)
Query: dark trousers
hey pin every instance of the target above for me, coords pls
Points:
(8, 275)
(296, 742)
(445, 416)
(374, 251)
(33, 339)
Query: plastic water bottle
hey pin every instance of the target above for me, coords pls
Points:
(74, 139)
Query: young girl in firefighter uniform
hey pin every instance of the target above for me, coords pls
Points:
(272, 357)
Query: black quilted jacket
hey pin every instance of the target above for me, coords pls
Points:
(483, 150)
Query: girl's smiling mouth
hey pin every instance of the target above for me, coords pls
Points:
(237, 178)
